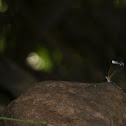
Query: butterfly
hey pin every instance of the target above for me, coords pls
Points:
(116, 74)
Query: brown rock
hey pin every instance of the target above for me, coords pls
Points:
(61, 103)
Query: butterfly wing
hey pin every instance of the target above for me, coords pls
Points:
(116, 74)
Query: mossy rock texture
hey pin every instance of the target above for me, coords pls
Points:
(62, 103)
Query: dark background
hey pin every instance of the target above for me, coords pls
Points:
(71, 40)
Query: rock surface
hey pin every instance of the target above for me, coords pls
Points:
(61, 103)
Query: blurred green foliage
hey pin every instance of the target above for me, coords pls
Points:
(0, 3)
(94, 29)
(3, 6)
(45, 59)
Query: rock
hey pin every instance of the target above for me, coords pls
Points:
(61, 103)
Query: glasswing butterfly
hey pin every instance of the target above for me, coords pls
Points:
(116, 74)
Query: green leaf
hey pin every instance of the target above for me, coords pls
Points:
(25, 121)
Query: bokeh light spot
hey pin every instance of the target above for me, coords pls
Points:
(40, 60)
